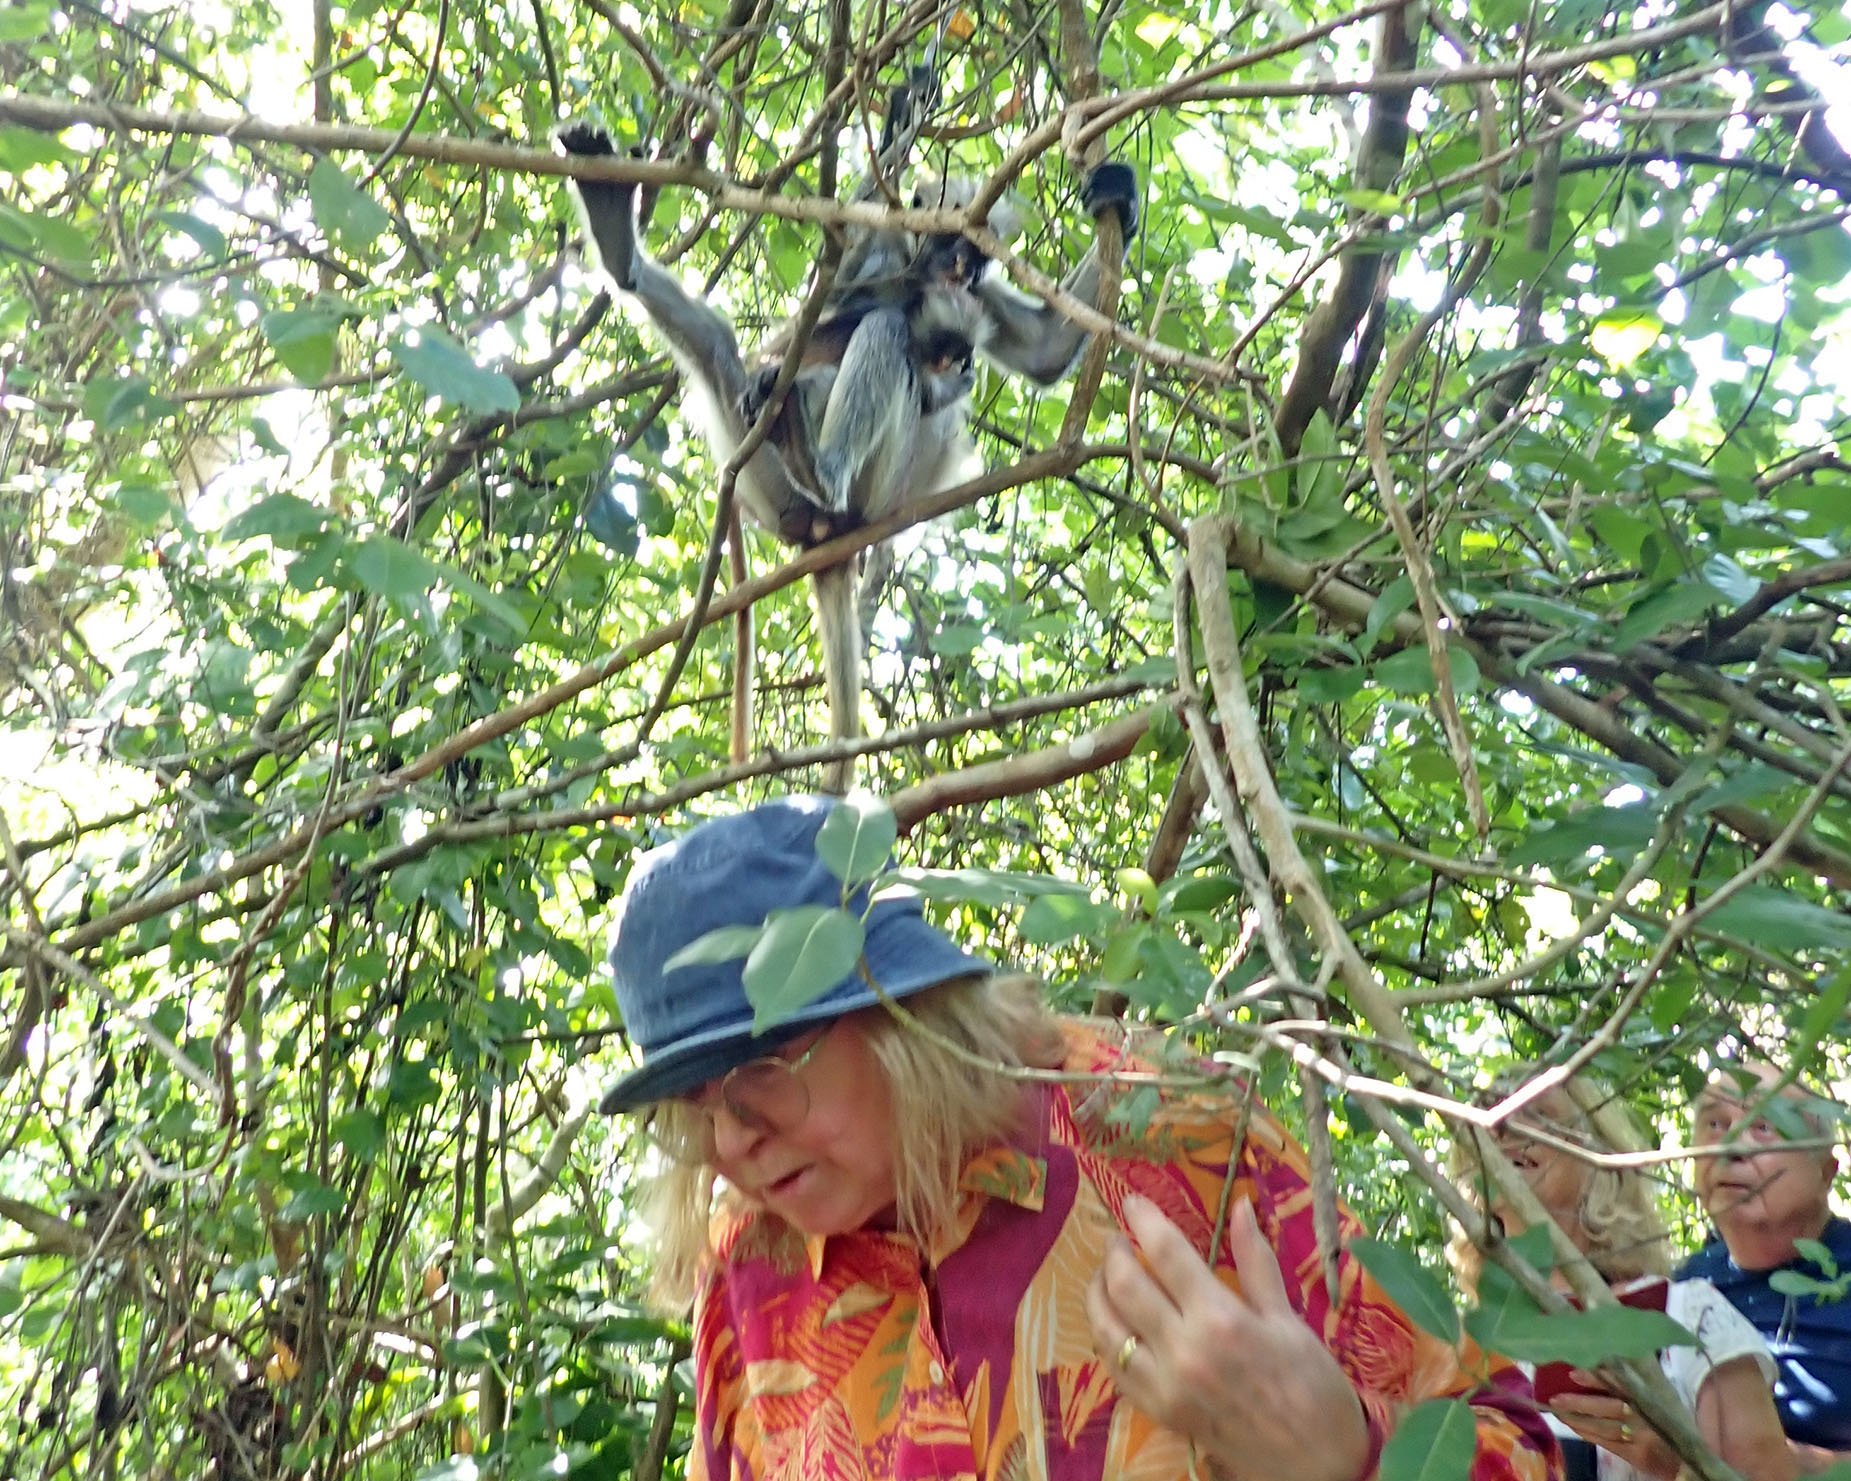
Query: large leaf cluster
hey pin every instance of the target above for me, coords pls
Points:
(326, 470)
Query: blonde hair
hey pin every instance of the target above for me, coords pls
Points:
(940, 1052)
(1627, 1234)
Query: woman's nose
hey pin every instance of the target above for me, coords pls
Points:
(734, 1137)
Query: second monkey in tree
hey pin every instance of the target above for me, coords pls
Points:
(877, 415)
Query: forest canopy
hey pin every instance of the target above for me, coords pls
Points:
(1414, 640)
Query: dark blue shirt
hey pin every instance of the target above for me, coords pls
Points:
(1810, 1336)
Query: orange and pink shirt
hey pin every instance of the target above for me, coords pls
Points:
(865, 1356)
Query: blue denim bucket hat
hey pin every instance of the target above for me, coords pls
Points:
(694, 1023)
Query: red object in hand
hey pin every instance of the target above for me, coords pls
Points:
(1553, 1379)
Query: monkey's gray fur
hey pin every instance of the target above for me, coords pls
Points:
(877, 415)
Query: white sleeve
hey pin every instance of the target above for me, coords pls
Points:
(1722, 1334)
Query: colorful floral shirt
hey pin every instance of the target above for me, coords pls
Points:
(864, 1356)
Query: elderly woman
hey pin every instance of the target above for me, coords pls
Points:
(931, 1230)
(1611, 1216)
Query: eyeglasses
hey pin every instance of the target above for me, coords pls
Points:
(766, 1096)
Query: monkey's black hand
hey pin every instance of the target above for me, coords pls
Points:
(585, 138)
(609, 206)
(1113, 186)
(758, 391)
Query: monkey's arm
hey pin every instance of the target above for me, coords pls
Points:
(1032, 338)
(698, 336)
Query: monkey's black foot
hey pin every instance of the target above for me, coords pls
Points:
(585, 137)
(758, 391)
(1113, 186)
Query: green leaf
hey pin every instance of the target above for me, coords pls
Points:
(1725, 576)
(1819, 1253)
(25, 23)
(1051, 920)
(1320, 476)
(1768, 915)
(1590, 1338)
(802, 955)
(22, 149)
(389, 568)
(726, 944)
(283, 518)
(146, 506)
(1203, 892)
(1395, 599)
(1651, 615)
(128, 401)
(444, 368)
(1501, 1299)
(1793, 1283)
(857, 838)
(956, 639)
(410, 1083)
(1411, 1286)
(45, 236)
(1375, 202)
(1620, 832)
(1625, 534)
(1435, 1441)
(995, 888)
(1410, 672)
(1820, 1023)
(203, 234)
(361, 1132)
(1330, 685)
(312, 1200)
(303, 340)
(344, 211)
(1119, 962)
(1751, 783)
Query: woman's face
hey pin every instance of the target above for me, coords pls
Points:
(1556, 1178)
(830, 1171)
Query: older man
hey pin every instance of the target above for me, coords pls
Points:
(1764, 1196)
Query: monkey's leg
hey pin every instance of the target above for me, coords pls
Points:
(864, 445)
(704, 348)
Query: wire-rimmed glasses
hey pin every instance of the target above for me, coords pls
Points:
(766, 1096)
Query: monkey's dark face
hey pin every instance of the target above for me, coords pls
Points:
(949, 261)
(947, 368)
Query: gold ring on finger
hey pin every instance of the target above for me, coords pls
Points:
(1126, 1350)
(1625, 1434)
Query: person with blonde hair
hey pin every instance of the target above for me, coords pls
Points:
(931, 1230)
(1611, 1215)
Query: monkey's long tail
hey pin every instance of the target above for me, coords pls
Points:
(838, 626)
(745, 657)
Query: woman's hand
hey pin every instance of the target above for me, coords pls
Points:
(1241, 1376)
(1609, 1421)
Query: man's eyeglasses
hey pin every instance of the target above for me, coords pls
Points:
(766, 1096)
